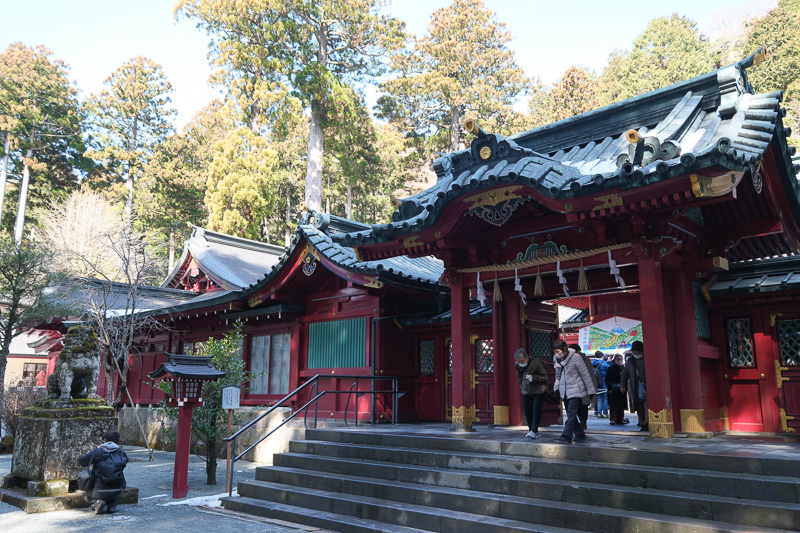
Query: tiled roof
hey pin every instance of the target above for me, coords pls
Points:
(317, 230)
(233, 262)
(476, 312)
(763, 275)
(711, 120)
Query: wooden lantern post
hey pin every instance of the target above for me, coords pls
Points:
(187, 373)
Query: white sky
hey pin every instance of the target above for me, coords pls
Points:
(96, 36)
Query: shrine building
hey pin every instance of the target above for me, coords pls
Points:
(677, 208)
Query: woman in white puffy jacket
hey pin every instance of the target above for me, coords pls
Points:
(575, 385)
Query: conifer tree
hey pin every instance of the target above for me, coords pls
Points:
(131, 118)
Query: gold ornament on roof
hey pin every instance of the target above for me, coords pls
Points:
(486, 152)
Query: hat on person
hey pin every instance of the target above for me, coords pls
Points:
(638, 346)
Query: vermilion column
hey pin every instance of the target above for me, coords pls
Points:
(502, 364)
(656, 361)
(513, 339)
(180, 485)
(463, 360)
(693, 418)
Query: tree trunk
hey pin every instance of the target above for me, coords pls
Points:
(454, 129)
(23, 198)
(349, 201)
(211, 463)
(316, 137)
(171, 249)
(4, 174)
(129, 181)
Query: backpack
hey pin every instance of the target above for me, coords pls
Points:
(108, 471)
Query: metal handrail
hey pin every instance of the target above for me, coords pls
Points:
(314, 384)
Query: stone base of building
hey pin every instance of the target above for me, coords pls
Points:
(18, 497)
(52, 435)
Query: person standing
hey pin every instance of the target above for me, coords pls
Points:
(575, 383)
(532, 377)
(616, 398)
(601, 365)
(583, 412)
(634, 381)
(108, 462)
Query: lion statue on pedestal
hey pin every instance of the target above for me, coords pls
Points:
(77, 366)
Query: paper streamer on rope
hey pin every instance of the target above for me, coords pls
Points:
(612, 265)
(561, 279)
(518, 287)
(481, 292)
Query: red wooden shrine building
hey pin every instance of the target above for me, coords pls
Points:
(657, 208)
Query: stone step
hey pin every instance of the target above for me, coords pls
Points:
(504, 514)
(748, 486)
(742, 463)
(311, 517)
(471, 491)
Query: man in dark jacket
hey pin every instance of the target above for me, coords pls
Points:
(108, 462)
(532, 377)
(634, 382)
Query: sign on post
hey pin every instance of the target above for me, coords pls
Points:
(230, 396)
(230, 401)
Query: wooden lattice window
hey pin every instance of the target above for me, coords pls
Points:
(541, 344)
(426, 363)
(484, 356)
(789, 333)
(740, 343)
(701, 312)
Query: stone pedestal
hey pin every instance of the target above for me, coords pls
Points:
(53, 434)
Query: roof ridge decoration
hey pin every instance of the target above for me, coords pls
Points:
(713, 121)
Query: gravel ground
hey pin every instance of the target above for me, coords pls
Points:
(156, 510)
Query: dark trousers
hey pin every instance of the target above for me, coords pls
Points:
(573, 426)
(109, 496)
(532, 407)
(617, 401)
(583, 414)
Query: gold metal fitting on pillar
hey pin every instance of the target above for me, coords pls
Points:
(474, 380)
(463, 417)
(661, 424)
(501, 415)
(693, 421)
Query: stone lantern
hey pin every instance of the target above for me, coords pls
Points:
(187, 373)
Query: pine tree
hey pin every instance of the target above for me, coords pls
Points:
(308, 49)
(461, 68)
(131, 119)
(670, 50)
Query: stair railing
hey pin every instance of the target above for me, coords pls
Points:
(314, 395)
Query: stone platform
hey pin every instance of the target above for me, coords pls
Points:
(18, 497)
(52, 435)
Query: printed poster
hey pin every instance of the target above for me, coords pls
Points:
(614, 335)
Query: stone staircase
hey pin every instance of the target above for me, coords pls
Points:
(365, 481)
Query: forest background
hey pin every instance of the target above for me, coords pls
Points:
(330, 105)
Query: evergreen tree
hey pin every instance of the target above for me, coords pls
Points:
(779, 31)
(42, 125)
(462, 68)
(670, 50)
(309, 49)
(573, 94)
(241, 187)
(131, 118)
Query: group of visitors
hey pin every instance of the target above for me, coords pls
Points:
(581, 382)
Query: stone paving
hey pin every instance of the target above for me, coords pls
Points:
(156, 511)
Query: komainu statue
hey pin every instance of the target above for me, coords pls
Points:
(77, 367)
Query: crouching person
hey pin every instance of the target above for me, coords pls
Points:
(108, 462)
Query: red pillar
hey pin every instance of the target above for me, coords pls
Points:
(691, 389)
(180, 485)
(502, 363)
(514, 340)
(656, 361)
(463, 360)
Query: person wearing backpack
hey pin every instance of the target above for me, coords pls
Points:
(108, 462)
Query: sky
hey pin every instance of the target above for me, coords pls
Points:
(95, 37)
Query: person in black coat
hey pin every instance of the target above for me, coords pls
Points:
(532, 378)
(108, 462)
(616, 398)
